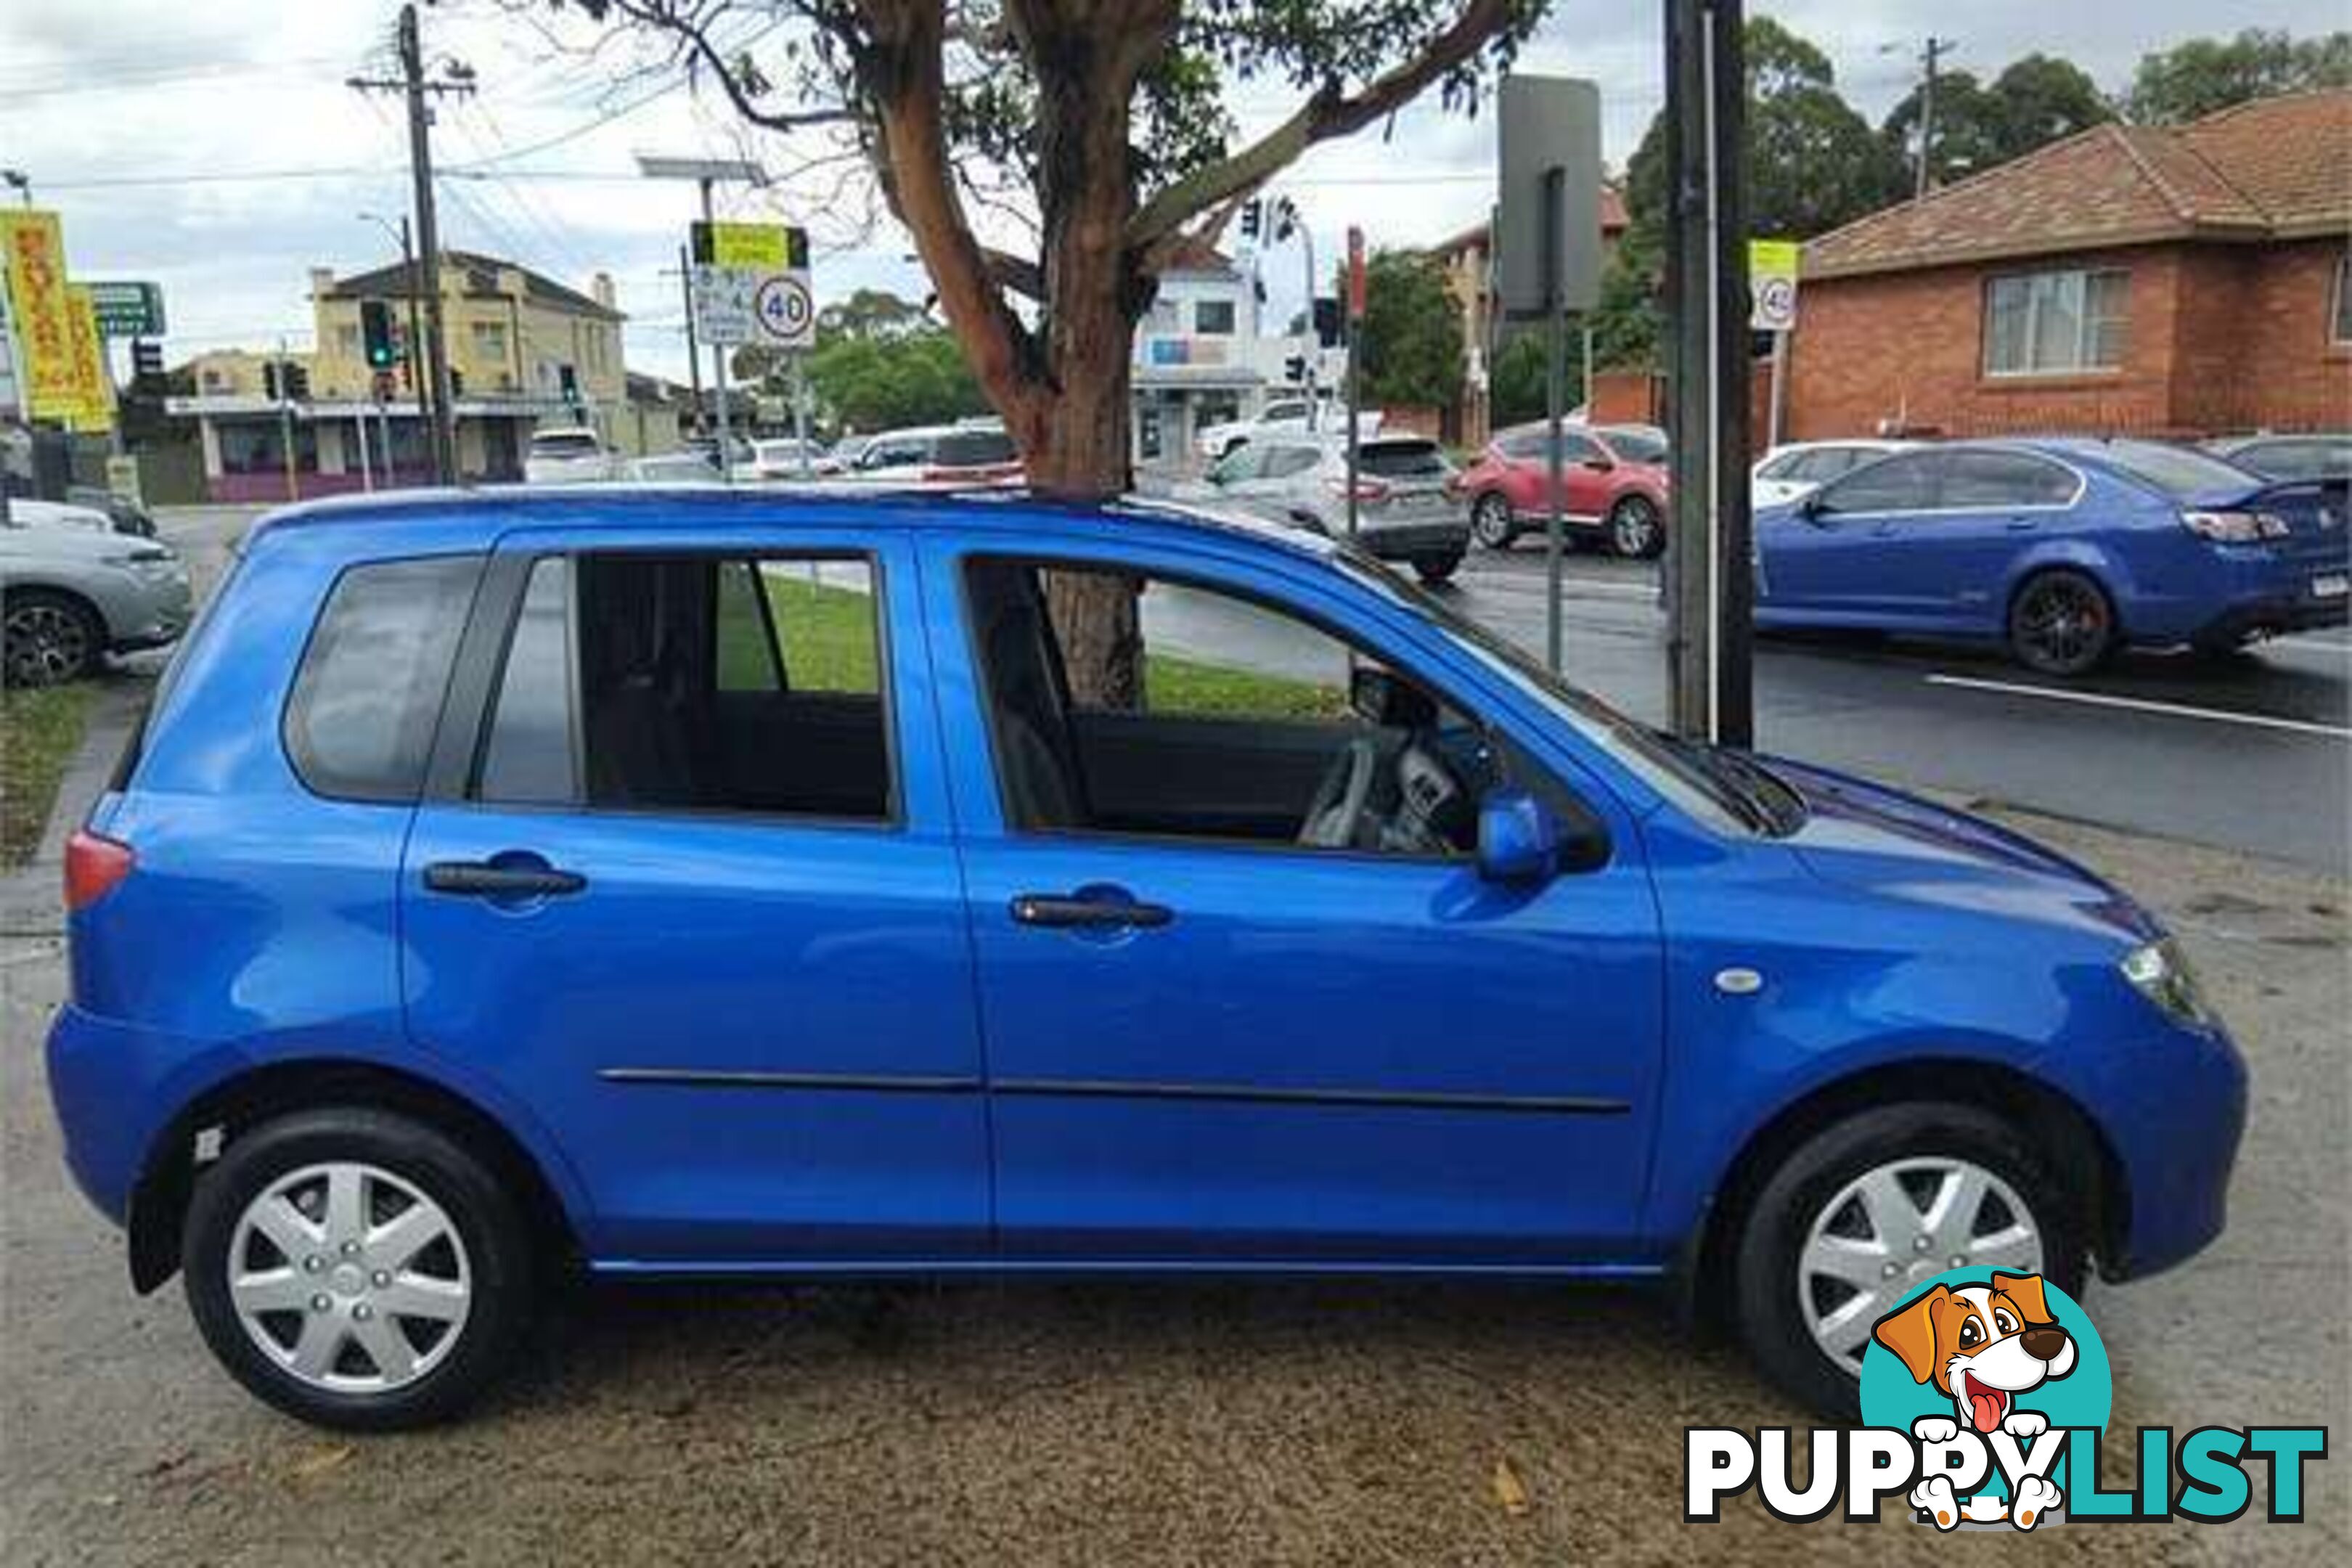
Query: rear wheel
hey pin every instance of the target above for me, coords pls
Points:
(1491, 523)
(356, 1268)
(1866, 1209)
(1435, 569)
(1635, 528)
(50, 638)
(2061, 624)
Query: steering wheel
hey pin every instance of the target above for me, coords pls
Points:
(1340, 801)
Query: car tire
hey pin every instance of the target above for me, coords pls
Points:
(2061, 623)
(469, 1283)
(1491, 522)
(1780, 1299)
(1636, 529)
(47, 639)
(1435, 569)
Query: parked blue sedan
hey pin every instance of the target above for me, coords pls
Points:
(2065, 550)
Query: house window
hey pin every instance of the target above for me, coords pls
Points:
(2341, 329)
(1213, 317)
(490, 342)
(2046, 323)
(347, 342)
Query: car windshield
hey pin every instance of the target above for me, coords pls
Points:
(2178, 471)
(1633, 445)
(563, 443)
(1702, 784)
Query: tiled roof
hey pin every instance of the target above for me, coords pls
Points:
(2276, 167)
(393, 282)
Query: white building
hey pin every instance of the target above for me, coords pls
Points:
(1201, 356)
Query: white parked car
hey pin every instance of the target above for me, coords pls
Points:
(26, 512)
(685, 468)
(788, 457)
(1283, 417)
(937, 454)
(568, 455)
(1795, 468)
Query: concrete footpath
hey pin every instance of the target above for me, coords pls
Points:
(1336, 1423)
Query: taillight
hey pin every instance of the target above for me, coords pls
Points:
(2235, 527)
(94, 865)
(1366, 489)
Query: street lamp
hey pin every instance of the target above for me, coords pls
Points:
(705, 173)
(20, 182)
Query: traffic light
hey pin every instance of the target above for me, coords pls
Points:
(296, 382)
(1295, 368)
(1285, 219)
(1252, 216)
(272, 383)
(1326, 323)
(376, 334)
(146, 358)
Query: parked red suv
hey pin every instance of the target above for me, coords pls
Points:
(1613, 486)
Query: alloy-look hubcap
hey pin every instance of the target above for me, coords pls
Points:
(1894, 1226)
(45, 645)
(350, 1278)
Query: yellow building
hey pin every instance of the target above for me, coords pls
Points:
(233, 373)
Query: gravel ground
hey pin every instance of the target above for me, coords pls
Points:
(1194, 1423)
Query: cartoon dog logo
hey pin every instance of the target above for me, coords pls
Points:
(1983, 1345)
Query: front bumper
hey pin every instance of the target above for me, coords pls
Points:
(149, 612)
(2172, 1107)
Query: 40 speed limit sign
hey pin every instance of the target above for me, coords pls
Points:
(781, 312)
(751, 285)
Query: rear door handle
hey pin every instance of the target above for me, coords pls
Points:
(1064, 912)
(483, 878)
(2021, 524)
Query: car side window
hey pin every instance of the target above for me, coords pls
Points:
(1900, 483)
(1787, 466)
(1239, 465)
(1288, 462)
(694, 682)
(1971, 480)
(359, 725)
(1252, 725)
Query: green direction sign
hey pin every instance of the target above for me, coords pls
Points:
(128, 309)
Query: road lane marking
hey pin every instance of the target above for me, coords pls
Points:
(2144, 705)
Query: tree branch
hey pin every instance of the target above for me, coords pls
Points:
(1328, 113)
(694, 39)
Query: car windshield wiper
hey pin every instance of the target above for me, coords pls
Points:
(1734, 790)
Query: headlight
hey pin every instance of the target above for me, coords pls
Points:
(2161, 974)
(150, 561)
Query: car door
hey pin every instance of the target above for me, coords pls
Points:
(692, 901)
(1206, 1042)
(1821, 558)
(1946, 566)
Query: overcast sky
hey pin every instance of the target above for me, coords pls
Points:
(94, 93)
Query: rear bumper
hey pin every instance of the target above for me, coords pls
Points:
(1414, 541)
(2273, 614)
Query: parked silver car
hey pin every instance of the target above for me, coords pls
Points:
(68, 596)
(1406, 506)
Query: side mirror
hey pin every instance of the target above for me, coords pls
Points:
(1518, 839)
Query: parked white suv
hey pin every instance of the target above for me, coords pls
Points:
(568, 455)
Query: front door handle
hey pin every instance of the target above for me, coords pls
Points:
(486, 878)
(1065, 912)
(2021, 524)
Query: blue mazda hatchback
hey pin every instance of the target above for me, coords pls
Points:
(2066, 551)
(696, 884)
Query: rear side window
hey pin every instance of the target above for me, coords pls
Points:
(973, 450)
(360, 723)
(2003, 478)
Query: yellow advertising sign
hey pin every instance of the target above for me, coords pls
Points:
(93, 409)
(35, 274)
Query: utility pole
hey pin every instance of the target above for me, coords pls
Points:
(1709, 559)
(414, 87)
(693, 349)
(1935, 50)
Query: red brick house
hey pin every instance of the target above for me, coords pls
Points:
(2184, 281)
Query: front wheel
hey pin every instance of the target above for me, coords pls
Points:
(50, 638)
(1436, 569)
(1636, 530)
(356, 1268)
(2061, 624)
(1867, 1209)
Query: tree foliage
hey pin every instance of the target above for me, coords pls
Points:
(1411, 339)
(881, 382)
(2203, 76)
(2036, 101)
